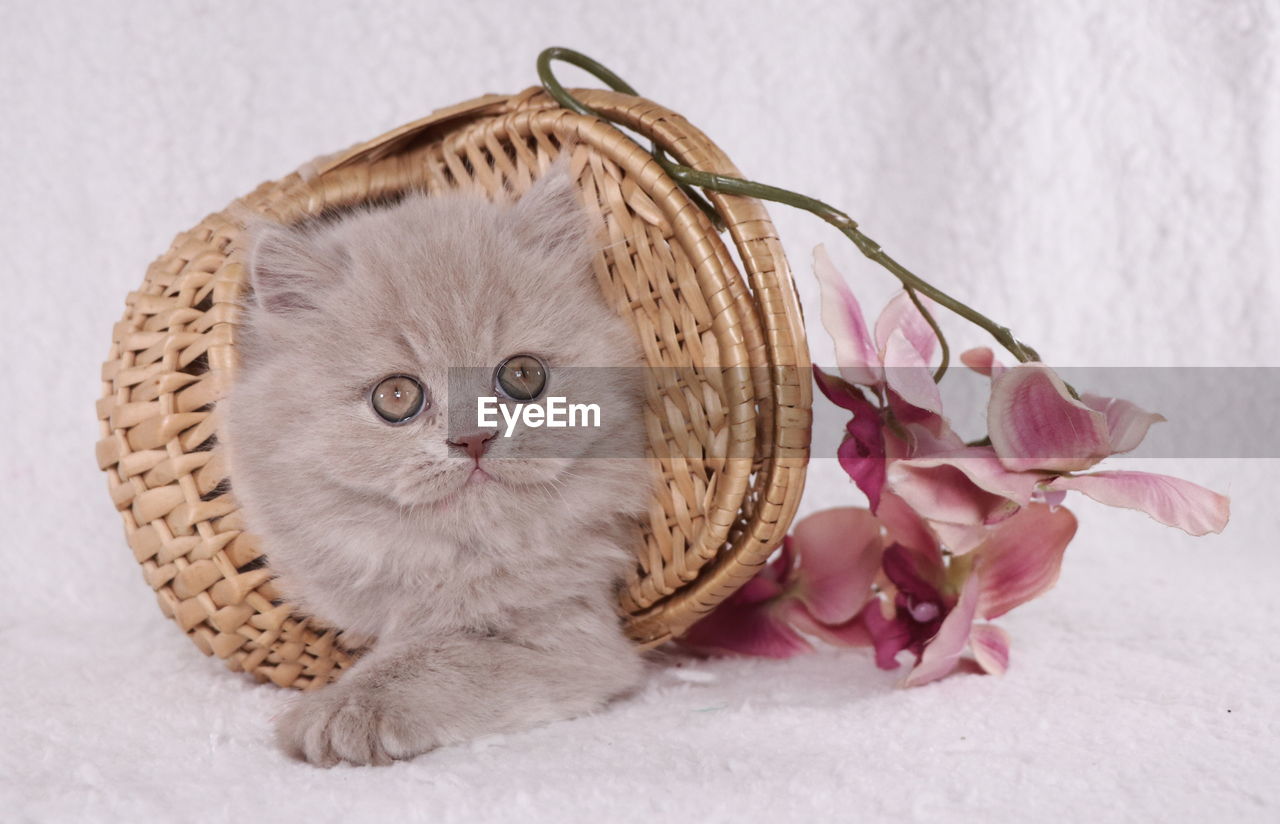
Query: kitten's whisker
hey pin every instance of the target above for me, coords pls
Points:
(609, 246)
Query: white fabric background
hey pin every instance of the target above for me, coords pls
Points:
(1101, 175)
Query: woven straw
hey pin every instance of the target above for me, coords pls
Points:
(728, 415)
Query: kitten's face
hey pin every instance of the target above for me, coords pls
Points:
(352, 320)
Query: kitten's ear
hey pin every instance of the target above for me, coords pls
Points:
(550, 217)
(289, 267)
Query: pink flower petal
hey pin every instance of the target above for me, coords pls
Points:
(890, 636)
(960, 492)
(982, 360)
(1171, 501)
(960, 539)
(908, 374)
(919, 576)
(904, 525)
(839, 391)
(863, 466)
(1021, 558)
(977, 464)
(990, 645)
(926, 436)
(842, 317)
(852, 633)
(861, 454)
(901, 315)
(839, 552)
(758, 629)
(1052, 497)
(1127, 425)
(942, 654)
(1035, 424)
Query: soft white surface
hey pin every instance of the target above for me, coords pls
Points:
(1102, 175)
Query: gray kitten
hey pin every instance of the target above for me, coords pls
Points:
(485, 565)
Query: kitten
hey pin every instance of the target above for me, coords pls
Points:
(485, 565)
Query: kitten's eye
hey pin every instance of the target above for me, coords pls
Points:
(398, 399)
(521, 377)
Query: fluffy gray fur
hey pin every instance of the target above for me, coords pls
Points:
(492, 600)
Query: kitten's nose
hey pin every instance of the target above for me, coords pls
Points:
(474, 442)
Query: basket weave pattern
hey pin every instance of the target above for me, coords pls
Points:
(727, 416)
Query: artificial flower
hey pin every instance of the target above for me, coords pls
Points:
(1037, 426)
(972, 530)
(898, 356)
(818, 584)
(935, 602)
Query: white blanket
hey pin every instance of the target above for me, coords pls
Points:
(1102, 176)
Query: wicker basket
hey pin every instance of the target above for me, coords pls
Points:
(729, 422)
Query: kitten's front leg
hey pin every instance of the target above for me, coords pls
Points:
(407, 697)
(341, 722)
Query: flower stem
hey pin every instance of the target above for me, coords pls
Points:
(688, 178)
(945, 359)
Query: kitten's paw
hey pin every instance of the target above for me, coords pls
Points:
(354, 725)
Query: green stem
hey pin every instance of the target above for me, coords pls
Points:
(603, 73)
(945, 360)
(689, 177)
